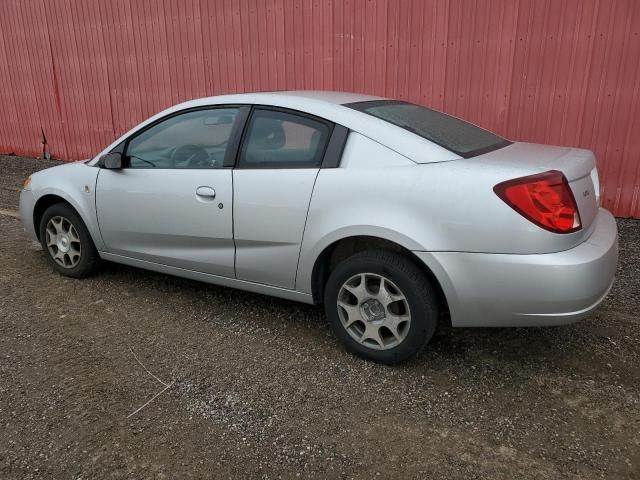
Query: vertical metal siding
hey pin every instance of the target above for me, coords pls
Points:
(562, 72)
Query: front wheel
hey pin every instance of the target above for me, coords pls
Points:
(67, 242)
(381, 306)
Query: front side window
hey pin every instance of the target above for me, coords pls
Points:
(196, 139)
(276, 139)
(458, 136)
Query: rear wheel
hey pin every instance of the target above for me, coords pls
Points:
(381, 306)
(67, 242)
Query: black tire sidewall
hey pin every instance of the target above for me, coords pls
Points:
(88, 256)
(409, 279)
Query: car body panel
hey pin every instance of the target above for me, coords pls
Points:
(444, 207)
(534, 157)
(254, 287)
(495, 267)
(489, 290)
(576, 164)
(270, 212)
(75, 183)
(362, 152)
(156, 215)
(26, 207)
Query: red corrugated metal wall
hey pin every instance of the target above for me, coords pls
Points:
(552, 71)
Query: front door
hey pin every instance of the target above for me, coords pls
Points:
(172, 202)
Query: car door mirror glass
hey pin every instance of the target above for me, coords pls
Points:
(112, 161)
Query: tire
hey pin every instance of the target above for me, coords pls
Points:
(355, 282)
(71, 237)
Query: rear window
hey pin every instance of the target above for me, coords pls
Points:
(458, 136)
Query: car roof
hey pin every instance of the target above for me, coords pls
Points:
(331, 106)
(303, 97)
(337, 98)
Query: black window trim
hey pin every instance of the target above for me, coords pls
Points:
(233, 142)
(335, 147)
(274, 108)
(331, 157)
(362, 106)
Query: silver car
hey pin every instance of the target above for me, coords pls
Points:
(391, 215)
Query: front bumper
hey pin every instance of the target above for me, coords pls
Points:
(27, 202)
(504, 290)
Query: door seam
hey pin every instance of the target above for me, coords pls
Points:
(304, 229)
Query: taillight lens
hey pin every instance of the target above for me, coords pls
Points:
(545, 199)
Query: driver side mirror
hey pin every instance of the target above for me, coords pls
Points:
(112, 161)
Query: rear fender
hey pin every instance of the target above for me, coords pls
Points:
(311, 253)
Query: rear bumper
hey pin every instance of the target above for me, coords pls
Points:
(497, 290)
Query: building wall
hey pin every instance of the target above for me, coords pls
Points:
(555, 71)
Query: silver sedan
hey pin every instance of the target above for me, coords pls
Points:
(392, 215)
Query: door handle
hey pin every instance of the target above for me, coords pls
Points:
(206, 192)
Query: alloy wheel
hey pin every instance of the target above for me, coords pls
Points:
(374, 311)
(63, 242)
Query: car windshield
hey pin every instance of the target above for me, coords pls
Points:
(458, 136)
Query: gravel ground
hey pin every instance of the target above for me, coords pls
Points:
(258, 387)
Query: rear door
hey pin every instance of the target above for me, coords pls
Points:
(278, 162)
(172, 203)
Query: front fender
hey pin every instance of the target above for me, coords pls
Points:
(75, 183)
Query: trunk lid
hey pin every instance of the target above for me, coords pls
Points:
(578, 166)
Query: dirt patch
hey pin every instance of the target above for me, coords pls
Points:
(262, 389)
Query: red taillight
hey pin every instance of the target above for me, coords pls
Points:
(545, 199)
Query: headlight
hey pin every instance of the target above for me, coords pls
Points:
(26, 183)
